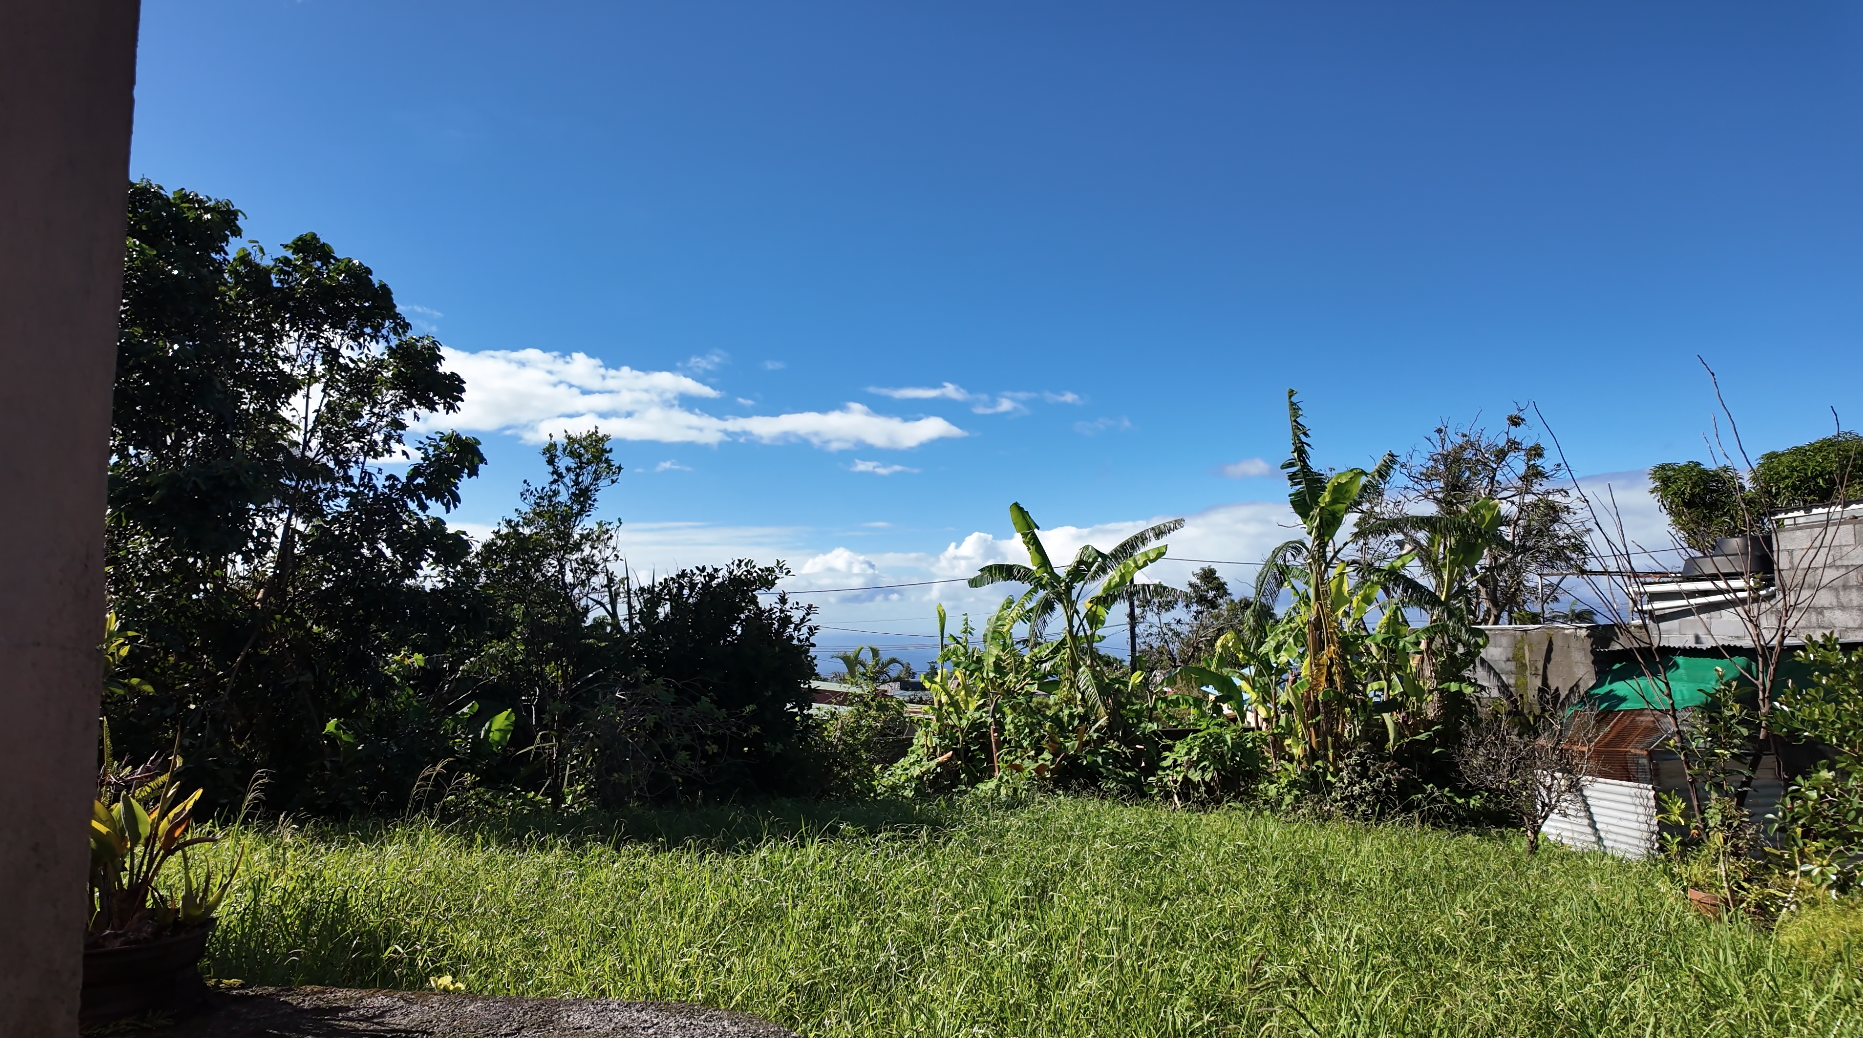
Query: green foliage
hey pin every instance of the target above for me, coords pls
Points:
(140, 824)
(1058, 918)
(303, 609)
(1820, 820)
(870, 671)
(554, 629)
(1815, 473)
(1219, 760)
(858, 746)
(270, 562)
(1703, 503)
(711, 636)
(1082, 594)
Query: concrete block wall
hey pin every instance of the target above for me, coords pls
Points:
(1818, 576)
(1520, 658)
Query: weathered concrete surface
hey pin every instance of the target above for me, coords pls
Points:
(1521, 658)
(67, 68)
(1821, 560)
(312, 1012)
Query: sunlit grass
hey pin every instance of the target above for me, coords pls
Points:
(1063, 918)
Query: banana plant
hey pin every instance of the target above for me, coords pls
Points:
(982, 690)
(1313, 564)
(1082, 593)
(1448, 550)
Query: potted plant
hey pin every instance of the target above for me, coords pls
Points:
(147, 932)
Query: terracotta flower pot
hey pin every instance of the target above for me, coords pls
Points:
(139, 978)
(1705, 903)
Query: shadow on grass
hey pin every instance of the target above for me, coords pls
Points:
(731, 827)
(745, 826)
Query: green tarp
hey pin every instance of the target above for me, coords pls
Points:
(1625, 686)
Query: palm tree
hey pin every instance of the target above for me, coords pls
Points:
(869, 674)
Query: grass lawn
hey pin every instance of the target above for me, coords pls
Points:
(1063, 918)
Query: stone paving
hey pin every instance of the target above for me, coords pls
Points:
(312, 1012)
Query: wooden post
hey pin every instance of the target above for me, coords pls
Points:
(1131, 635)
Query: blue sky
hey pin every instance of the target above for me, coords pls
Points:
(1117, 233)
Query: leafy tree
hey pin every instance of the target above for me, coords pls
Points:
(1702, 503)
(1208, 591)
(555, 602)
(713, 642)
(1816, 473)
(1821, 815)
(271, 560)
(691, 684)
(1537, 536)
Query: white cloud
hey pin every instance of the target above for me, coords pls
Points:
(1100, 425)
(426, 322)
(773, 365)
(877, 468)
(746, 402)
(1007, 402)
(709, 362)
(851, 426)
(671, 466)
(1625, 497)
(948, 391)
(839, 560)
(1246, 468)
(533, 394)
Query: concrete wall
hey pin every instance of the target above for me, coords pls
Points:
(1821, 551)
(1523, 657)
(67, 68)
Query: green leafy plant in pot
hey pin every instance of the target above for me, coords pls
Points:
(147, 931)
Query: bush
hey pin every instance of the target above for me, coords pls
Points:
(857, 746)
(1220, 760)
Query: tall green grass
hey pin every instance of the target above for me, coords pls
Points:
(1063, 918)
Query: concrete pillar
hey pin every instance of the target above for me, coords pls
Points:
(67, 71)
